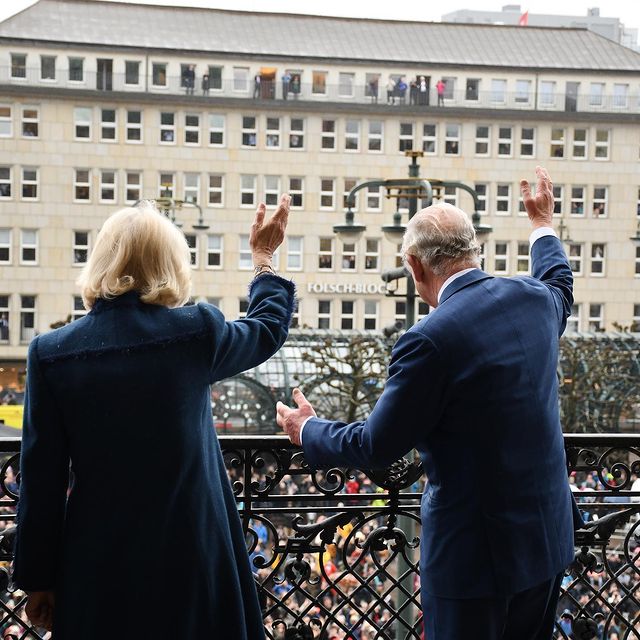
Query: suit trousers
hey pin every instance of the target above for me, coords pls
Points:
(528, 615)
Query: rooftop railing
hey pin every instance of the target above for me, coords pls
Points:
(346, 92)
(335, 553)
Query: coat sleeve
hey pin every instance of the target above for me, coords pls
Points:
(242, 344)
(549, 264)
(44, 480)
(408, 409)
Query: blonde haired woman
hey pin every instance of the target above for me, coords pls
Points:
(148, 543)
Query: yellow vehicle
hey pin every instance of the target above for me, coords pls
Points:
(11, 415)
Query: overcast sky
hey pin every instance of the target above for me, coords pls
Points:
(627, 10)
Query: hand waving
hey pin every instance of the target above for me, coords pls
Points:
(266, 237)
(291, 420)
(539, 207)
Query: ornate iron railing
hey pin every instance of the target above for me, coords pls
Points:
(335, 553)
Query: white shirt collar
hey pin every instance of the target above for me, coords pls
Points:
(450, 279)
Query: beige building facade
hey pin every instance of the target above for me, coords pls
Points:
(89, 124)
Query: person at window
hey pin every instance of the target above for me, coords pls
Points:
(205, 84)
(401, 91)
(189, 79)
(373, 90)
(123, 396)
(391, 91)
(286, 82)
(440, 87)
(295, 85)
(257, 82)
(423, 90)
(413, 92)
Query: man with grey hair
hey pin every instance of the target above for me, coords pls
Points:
(473, 387)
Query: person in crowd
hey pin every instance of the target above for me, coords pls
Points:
(189, 79)
(423, 90)
(205, 84)
(122, 395)
(373, 90)
(473, 388)
(286, 81)
(391, 91)
(257, 83)
(413, 92)
(401, 91)
(440, 87)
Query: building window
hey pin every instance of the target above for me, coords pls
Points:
(243, 307)
(247, 191)
(131, 72)
(483, 254)
(5, 183)
(272, 134)
(452, 140)
(108, 125)
(192, 242)
(191, 129)
(78, 311)
(523, 91)
(501, 257)
(240, 79)
(527, 142)
(76, 69)
(374, 142)
(523, 257)
(557, 143)
(573, 323)
(481, 192)
(522, 210)
(547, 93)
(348, 260)
(347, 314)
(29, 183)
(5, 246)
(294, 253)
(498, 91)
(82, 185)
(472, 91)
(31, 122)
(80, 247)
(249, 132)
(370, 315)
(558, 198)
(372, 255)
(637, 262)
(620, 94)
(167, 186)
(346, 83)
(596, 317)
(27, 318)
(214, 251)
(324, 314)
(327, 194)
(191, 187)
(159, 74)
(373, 198)
(579, 148)
(134, 126)
(319, 83)
(296, 188)
(349, 184)
(596, 93)
(602, 144)
(449, 195)
(4, 319)
(325, 254)
(635, 321)
(108, 185)
(6, 121)
(133, 186)
(505, 135)
(215, 77)
(216, 130)
(296, 133)
(482, 140)
(271, 190)
(597, 259)
(18, 65)
(215, 190)
(503, 199)
(47, 67)
(167, 127)
(352, 135)
(599, 202)
(28, 246)
(577, 201)
(405, 141)
(429, 141)
(575, 258)
(82, 119)
(328, 135)
(245, 257)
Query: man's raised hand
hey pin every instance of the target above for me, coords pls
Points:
(539, 207)
(291, 420)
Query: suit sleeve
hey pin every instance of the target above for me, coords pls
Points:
(242, 344)
(44, 480)
(549, 264)
(408, 409)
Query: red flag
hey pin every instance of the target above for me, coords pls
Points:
(524, 19)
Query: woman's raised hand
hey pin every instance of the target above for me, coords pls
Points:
(267, 236)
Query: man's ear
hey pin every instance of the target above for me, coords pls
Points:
(416, 268)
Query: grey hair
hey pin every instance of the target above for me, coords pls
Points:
(442, 238)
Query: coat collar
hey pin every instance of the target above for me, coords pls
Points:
(128, 299)
(463, 281)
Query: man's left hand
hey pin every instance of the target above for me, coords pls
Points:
(291, 420)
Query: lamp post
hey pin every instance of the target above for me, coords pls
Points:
(170, 205)
(413, 189)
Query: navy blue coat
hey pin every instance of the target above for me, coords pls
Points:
(149, 542)
(473, 387)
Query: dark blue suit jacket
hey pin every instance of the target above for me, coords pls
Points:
(473, 388)
(149, 543)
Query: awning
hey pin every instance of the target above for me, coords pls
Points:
(268, 71)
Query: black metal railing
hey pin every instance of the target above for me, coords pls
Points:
(335, 552)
